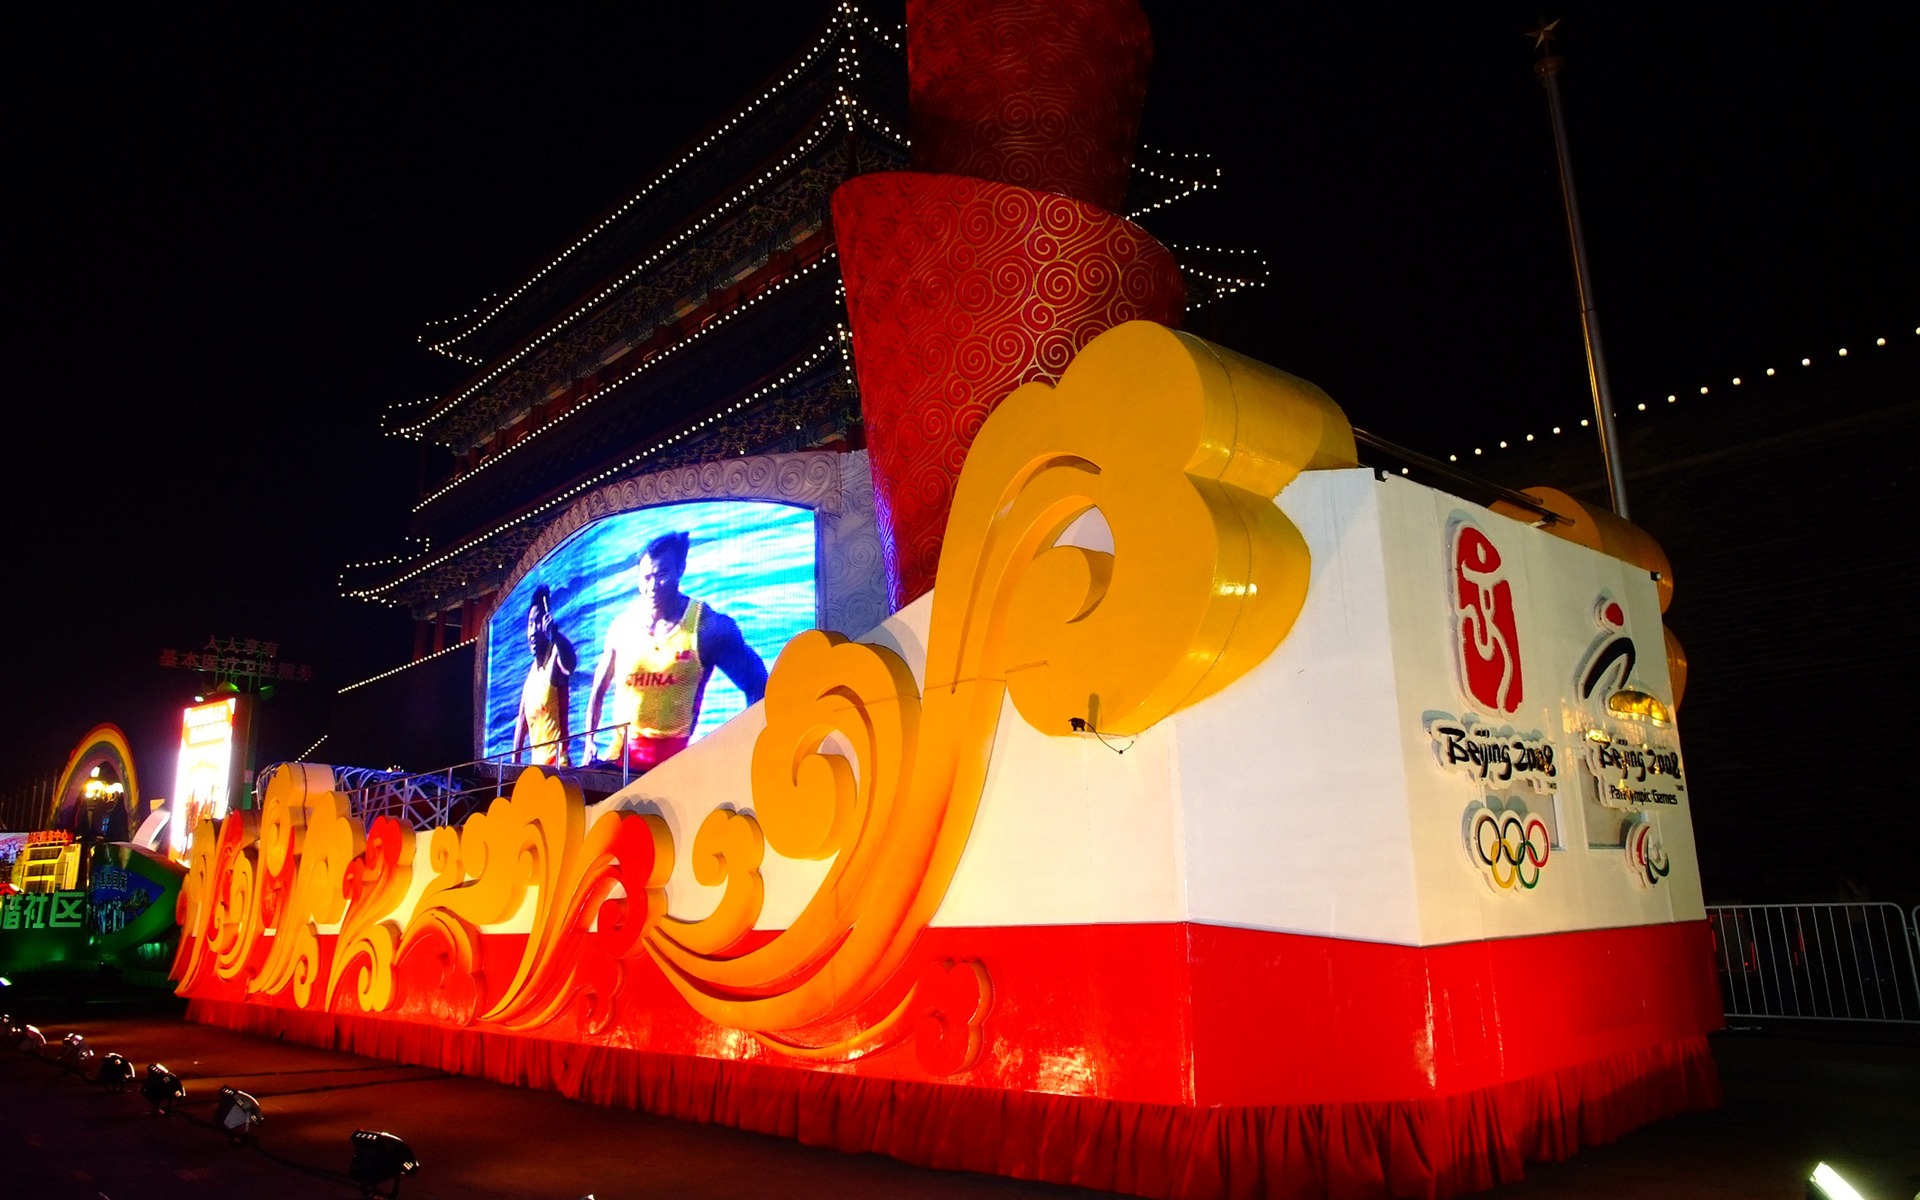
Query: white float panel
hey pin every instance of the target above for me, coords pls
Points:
(1307, 796)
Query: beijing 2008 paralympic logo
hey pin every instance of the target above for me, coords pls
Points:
(1646, 853)
(1510, 845)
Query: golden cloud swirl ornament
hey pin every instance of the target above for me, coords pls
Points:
(256, 896)
(1181, 447)
(537, 840)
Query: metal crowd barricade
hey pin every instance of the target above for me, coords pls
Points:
(1825, 962)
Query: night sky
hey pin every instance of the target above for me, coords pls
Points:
(230, 228)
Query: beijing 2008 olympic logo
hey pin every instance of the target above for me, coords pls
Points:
(1486, 634)
(1510, 846)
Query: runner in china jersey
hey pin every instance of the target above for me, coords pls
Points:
(540, 727)
(543, 702)
(658, 656)
(660, 681)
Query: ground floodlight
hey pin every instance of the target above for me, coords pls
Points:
(75, 1054)
(237, 1113)
(114, 1071)
(162, 1089)
(29, 1040)
(380, 1158)
(8, 1026)
(1825, 1184)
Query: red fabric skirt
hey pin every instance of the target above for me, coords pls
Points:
(1442, 1146)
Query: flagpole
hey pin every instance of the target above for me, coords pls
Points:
(1548, 72)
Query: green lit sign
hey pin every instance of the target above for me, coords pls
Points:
(44, 910)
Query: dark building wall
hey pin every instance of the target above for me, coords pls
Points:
(1786, 506)
(418, 719)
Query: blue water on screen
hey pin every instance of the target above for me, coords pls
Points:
(752, 560)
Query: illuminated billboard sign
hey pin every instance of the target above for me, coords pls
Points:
(661, 622)
(203, 783)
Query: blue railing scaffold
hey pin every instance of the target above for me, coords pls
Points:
(446, 795)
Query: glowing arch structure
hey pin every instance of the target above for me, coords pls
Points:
(104, 745)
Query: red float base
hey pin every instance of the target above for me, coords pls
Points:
(1434, 1147)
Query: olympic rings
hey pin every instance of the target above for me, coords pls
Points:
(1513, 873)
(1484, 823)
(1515, 851)
(1535, 857)
(1519, 847)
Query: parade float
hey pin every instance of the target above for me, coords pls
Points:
(90, 890)
(1210, 814)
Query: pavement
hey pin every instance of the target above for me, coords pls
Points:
(1794, 1097)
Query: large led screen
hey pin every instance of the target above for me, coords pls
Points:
(611, 629)
(203, 781)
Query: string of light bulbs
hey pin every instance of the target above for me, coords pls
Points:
(893, 41)
(1223, 285)
(1189, 155)
(426, 544)
(1185, 185)
(849, 105)
(484, 300)
(1177, 180)
(846, 18)
(395, 671)
(836, 343)
(1672, 398)
(841, 22)
(665, 353)
(397, 407)
(1189, 187)
(819, 135)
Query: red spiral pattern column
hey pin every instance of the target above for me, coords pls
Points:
(963, 285)
(1045, 95)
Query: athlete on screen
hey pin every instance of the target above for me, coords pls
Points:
(659, 655)
(540, 727)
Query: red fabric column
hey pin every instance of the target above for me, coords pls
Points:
(994, 264)
(1041, 95)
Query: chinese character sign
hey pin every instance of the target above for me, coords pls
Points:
(43, 910)
(239, 658)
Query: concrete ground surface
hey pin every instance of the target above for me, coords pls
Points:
(1794, 1097)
